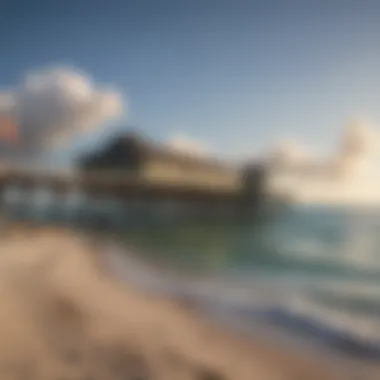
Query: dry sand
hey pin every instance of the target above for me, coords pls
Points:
(64, 316)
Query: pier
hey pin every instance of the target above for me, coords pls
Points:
(148, 182)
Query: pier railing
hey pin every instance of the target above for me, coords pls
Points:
(135, 196)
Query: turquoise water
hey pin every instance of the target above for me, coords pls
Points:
(313, 270)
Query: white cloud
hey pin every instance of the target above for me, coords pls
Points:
(359, 149)
(350, 175)
(185, 144)
(53, 104)
(289, 152)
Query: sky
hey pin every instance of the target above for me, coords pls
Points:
(233, 75)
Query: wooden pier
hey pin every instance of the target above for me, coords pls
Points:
(155, 199)
(133, 172)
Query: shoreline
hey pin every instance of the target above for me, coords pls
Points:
(275, 322)
(63, 275)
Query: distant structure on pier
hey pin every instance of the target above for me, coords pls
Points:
(162, 172)
(153, 182)
(154, 163)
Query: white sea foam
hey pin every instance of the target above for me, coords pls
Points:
(242, 300)
(356, 325)
(357, 250)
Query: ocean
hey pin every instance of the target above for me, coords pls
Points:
(310, 271)
(307, 271)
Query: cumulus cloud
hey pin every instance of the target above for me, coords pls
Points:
(359, 138)
(349, 175)
(53, 104)
(185, 144)
(359, 148)
(289, 152)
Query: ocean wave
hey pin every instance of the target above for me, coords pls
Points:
(346, 337)
(351, 333)
(290, 307)
(358, 255)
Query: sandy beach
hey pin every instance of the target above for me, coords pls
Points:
(64, 315)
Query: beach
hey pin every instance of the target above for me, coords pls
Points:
(65, 315)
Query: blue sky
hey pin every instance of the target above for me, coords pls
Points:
(235, 74)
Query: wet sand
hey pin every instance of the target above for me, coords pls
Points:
(64, 315)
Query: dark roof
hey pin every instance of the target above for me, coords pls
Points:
(149, 149)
